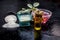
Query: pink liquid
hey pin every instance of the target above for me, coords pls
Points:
(45, 19)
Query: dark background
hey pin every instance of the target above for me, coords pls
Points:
(7, 6)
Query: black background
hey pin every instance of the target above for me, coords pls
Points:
(7, 6)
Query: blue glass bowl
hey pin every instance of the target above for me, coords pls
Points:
(24, 18)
